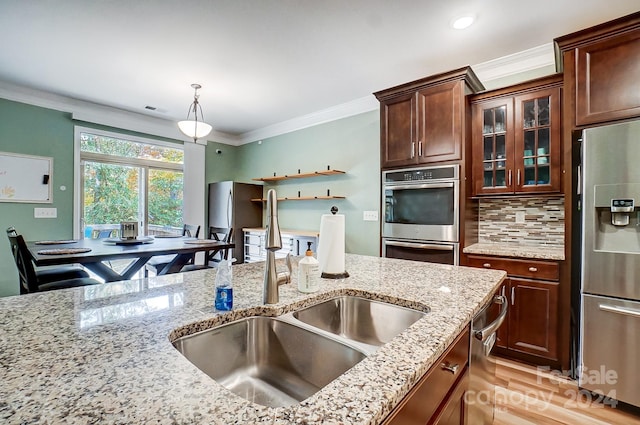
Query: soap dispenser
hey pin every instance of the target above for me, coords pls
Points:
(308, 272)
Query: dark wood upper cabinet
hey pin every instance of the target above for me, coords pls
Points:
(397, 127)
(516, 137)
(423, 121)
(602, 70)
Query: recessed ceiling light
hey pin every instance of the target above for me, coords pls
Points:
(462, 22)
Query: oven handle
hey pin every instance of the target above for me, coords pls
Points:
(420, 245)
(419, 186)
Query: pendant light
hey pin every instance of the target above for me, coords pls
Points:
(192, 127)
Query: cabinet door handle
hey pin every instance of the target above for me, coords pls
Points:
(487, 265)
(513, 295)
(509, 178)
(453, 368)
(533, 269)
(518, 178)
(420, 148)
(413, 149)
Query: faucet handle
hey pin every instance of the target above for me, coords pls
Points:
(287, 262)
(285, 277)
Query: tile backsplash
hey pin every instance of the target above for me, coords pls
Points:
(543, 220)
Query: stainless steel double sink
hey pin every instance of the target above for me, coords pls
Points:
(280, 361)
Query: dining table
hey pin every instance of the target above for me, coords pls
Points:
(93, 253)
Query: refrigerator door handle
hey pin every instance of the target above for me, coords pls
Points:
(229, 204)
(579, 182)
(490, 329)
(620, 310)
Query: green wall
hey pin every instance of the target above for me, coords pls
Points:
(33, 130)
(350, 144)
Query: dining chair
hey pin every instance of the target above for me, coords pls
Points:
(218, 234)
(45, 279)
(155, 264)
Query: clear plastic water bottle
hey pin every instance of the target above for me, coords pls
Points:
(224, 286)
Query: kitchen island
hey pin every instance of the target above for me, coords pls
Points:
(102, 354)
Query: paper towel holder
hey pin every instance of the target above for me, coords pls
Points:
(343, 275)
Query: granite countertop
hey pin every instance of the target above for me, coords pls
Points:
(102, 354)
(540, 252)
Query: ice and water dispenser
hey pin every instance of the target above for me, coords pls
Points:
(621, 210)
(617, 217)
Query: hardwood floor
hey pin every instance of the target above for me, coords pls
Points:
(525, 396)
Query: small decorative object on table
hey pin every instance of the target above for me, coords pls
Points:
(128, 230)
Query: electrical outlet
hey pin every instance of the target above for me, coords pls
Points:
(370, 215)
(45, 213)
(520, 216)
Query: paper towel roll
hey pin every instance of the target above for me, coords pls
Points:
(331, 246)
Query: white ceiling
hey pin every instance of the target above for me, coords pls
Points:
(262, 62)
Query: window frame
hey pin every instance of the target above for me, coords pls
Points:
(145, 164)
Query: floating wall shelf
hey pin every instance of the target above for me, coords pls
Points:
(302, 198)
(299, 176)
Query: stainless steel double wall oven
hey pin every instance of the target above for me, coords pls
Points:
(421, 214)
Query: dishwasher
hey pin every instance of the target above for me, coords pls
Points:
(480, 398)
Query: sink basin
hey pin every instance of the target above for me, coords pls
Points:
(268, 361)
(359, 319)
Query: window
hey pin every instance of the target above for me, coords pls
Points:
(126, 178)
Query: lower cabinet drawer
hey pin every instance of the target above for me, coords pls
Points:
(253, 239)
(427, 397)
(253, 250)
(524, 268)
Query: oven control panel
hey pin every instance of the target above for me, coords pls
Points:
(448, 172)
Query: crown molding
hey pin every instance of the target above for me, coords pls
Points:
(82, 110)
(527, 60)
(344, 110)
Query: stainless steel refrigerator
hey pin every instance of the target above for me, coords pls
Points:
(608, 202)
(230, 206)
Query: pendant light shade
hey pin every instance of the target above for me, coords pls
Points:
(194, 128)
(191, 126)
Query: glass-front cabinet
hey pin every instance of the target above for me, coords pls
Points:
(516, 141)
(497, 145)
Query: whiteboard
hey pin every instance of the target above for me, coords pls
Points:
(25, 178)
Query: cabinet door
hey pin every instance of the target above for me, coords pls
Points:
(454, 411)
(493, 146)
(537, 141)
(440, 122)
(426, 399)
(533, 318)
(397, 131)
(607, 79)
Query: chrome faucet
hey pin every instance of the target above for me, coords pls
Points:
(273, 242)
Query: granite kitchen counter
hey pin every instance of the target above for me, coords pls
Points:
(539, 252)
(102, 354)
